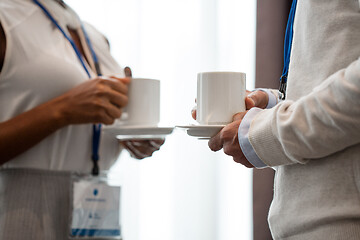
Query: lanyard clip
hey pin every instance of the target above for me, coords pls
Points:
(282, 88)
(95, 170)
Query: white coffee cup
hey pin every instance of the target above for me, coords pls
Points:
(220, 95)
(143, 108)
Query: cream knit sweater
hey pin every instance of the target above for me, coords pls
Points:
(313, 138)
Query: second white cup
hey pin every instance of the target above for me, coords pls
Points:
(220, 95)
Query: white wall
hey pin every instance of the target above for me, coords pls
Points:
(185, 191)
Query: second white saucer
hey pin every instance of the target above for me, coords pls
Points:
(202, 131)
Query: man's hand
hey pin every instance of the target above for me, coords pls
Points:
(141, 149)
(227, 139)
(256, 98)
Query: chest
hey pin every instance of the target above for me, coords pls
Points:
(40, 61)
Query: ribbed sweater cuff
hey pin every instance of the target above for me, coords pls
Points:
(264, 141)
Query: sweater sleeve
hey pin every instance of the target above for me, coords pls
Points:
(243, 131)
(319, 124)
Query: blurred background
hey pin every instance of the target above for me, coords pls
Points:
(185, 191)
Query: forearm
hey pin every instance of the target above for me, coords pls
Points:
(322, 123)
(27, 129)
(98, 100)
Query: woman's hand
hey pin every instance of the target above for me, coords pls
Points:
(95, 101)
(99, 100)
(140, 149)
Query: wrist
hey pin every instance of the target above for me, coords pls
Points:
(57, 113)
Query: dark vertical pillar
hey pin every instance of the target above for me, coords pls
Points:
(271, 23)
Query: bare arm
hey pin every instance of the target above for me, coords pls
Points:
(98, 100)
(26, 130)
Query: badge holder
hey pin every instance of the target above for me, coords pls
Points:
(94, 208)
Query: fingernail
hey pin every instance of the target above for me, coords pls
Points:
(251, 94)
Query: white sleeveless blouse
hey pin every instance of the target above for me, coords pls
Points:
(40, 64)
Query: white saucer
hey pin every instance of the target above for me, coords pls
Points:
(202, 131)
(138, 132)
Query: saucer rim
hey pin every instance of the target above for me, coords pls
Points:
(201, 126)
(139, 131)
(190, 128)
(138, 127)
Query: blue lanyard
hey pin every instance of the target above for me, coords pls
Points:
(287, 50)
(96, 127)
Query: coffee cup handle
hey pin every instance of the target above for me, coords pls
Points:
(125, 115)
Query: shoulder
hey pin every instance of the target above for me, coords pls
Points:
(13, 12)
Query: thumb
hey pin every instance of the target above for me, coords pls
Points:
(249, 102)
(259, 99)
(193, 113)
